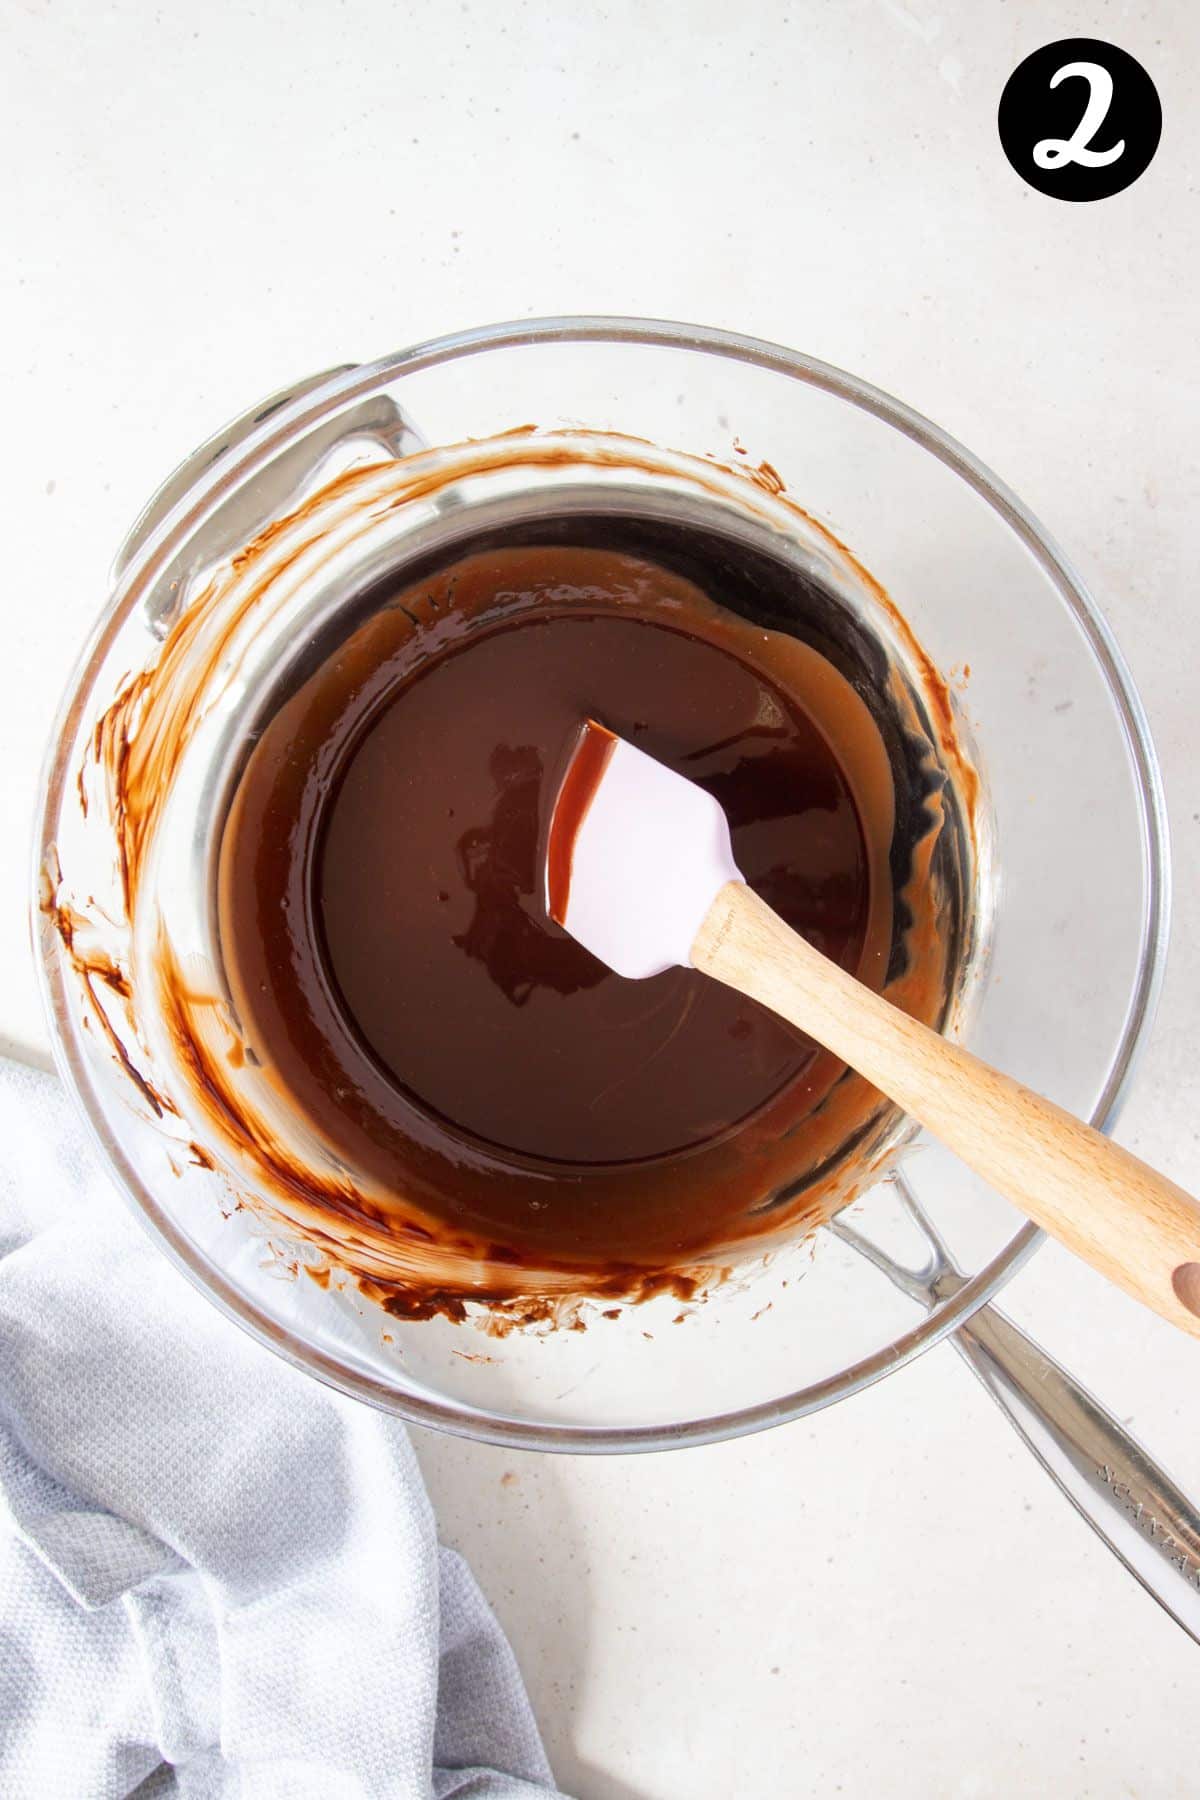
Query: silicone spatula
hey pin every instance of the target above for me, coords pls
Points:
(640, 870)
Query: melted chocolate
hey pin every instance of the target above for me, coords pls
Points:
(429, 884)
(387, 940)
(593, 750)
(257, 1043)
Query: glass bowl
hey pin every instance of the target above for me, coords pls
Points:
(1072, 876)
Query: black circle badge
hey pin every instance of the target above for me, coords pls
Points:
(1079, 119)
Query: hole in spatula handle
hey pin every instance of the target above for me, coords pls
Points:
(1186, 1282)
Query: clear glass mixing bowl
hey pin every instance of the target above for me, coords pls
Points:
(1077, 889)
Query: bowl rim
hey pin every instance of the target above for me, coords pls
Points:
(275, 423)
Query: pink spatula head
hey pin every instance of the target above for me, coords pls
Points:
(635, 858)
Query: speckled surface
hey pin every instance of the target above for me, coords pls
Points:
(204, 204)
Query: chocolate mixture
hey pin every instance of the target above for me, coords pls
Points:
(385, 1044)
(392, 962)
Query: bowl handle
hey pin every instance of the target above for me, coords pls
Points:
(377, 423)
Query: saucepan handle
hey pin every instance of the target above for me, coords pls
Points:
(1143, 1517)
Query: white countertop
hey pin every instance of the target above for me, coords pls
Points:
(204, 203)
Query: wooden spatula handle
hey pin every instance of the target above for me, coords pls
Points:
(1127, 1221)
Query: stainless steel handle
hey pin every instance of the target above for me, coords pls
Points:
(1143, 1517)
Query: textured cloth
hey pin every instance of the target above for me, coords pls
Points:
(217, 1577)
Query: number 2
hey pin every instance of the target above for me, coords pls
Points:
(1055, 153)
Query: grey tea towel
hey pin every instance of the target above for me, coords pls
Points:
(216, 1576)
